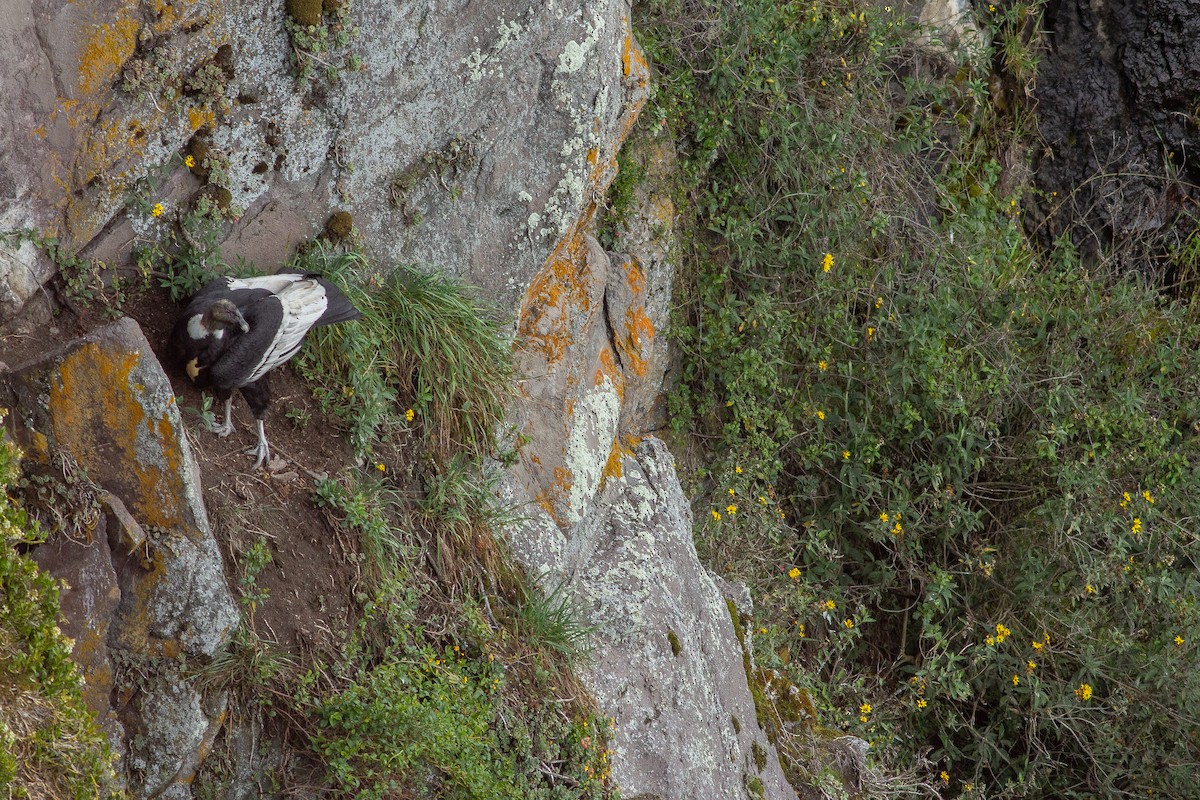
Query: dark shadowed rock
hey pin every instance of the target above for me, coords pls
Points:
(1116, 94)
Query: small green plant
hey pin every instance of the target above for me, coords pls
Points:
(83, 278)
(552, 622)
(298, 417)
(319, 33)
(204, 414)
(254, 560)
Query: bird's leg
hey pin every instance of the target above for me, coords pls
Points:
(262, 450)
(225, 428)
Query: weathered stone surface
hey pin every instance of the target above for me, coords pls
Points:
(89, 598)
(501, 121)
(105, 401)
(667, 663)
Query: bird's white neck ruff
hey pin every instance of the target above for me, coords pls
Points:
(197, 330)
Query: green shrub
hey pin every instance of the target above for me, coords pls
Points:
(958, 472)
(50, 745)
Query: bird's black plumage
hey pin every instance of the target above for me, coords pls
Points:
(234, 331)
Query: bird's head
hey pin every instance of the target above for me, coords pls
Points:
(223, 314)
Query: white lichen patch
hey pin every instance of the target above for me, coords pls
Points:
(477, 61)
(575, 54)
(589, 439)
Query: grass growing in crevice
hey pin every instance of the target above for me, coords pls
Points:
(957, 471)
(422, 344)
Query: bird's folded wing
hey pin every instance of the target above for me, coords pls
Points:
(302, 303)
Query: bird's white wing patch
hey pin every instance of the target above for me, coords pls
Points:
(272, 283)
(303, 302)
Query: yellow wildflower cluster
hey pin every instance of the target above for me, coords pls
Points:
(1136, 527)
(863, 711)
(1002, 633)
(827, 262)
(794, 573)
(1084, 692)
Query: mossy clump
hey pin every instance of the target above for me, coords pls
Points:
(760, 755)
(755, 787)
(676, 647)
(305, 12)
(339, 226)
(198, 149)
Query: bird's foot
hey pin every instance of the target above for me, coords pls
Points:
(222, 430)
(262, 450)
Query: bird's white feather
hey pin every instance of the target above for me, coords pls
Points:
(272, 283)
(303, 302)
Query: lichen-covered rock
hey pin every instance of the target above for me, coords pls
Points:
(667, 663)
(105, 402)
(470, 142)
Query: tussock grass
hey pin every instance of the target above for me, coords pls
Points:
(422, 344)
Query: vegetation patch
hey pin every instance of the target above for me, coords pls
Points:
(956, 469)
(50, 744)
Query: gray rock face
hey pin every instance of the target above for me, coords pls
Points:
(153, 590)
(471, 139)
(670, 665)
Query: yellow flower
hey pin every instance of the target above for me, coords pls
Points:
(1148, 497)
(865, 708)
(1037, 645)
(794, 573)
(820, 415)
(1090, 589)
(762, 500)
(731, 508)
(409, 414)
(822, 365)
(969, 786)
(845, 455)
(1125, 498)
(1084, 692)
(381, 467)
(1178, 641)
(897, 529)
(921, 702)
(829, 605)
(870, 333)
(738, 470)
(716, 515)
(827, 262)
(848, 623)
(991, 640)
(189, 162)
(945, 776)
(878, 302)
(883, 516)
(158, 210)
(1030, 665)
(1016, 679)
(1136, 528)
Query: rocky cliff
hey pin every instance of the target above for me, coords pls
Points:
(477, 138)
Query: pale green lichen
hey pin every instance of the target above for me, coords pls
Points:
(592, 429)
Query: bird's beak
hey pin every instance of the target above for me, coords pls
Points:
(241, 321)
(193, 369)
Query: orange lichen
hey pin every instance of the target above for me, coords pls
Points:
(199, 116)
(107, 49)
(635, 341)
(608, 370)
(616, 456)
(97, 417)
(556, 294)
(633, 61)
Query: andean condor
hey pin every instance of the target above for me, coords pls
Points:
(236, 330)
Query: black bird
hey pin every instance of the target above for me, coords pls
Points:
(236, 330)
